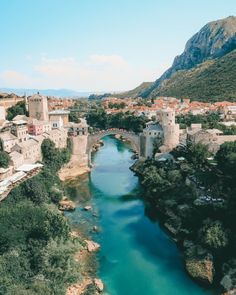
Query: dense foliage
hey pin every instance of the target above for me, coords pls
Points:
(36, 251)
(208, 121)
(4, 159)
(98, 118)
(73, 117)
(179, 188)
(54, 158)
(18, 109)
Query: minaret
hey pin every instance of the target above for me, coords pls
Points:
(26, 102)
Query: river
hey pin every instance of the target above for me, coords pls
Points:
(137, 257)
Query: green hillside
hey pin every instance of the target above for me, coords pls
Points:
(213, 80)
(135, 92)
(204, 71)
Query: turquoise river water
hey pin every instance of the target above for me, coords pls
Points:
(137, 257)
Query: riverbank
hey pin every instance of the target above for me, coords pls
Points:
(77, 166)
(86, 256)
(136, 255)
(86, 259)
(193, 225)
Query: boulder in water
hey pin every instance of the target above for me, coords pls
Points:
(87, 208)
(99, 285)
(66, 205)
(92, 246)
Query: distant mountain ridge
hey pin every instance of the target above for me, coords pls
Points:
(213, 41)
(47, 92)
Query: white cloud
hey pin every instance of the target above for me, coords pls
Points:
(97, 73)
(108, 60)
(12, 77)
(56, 66)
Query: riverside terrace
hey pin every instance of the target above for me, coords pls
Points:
(22, 174)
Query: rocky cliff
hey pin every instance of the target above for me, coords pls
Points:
(213, 41)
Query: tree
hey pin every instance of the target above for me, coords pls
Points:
(48, 150)
(35, 190)
(214, 235)
(197, 154)
(226, 158)
(53, 157)
(73, 117)
(4, 159)
(157, 144)
(18, 109)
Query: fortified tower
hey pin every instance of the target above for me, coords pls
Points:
(38, 107)
(170, 128)
(151, 133)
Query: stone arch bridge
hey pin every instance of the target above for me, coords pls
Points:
(132, 137)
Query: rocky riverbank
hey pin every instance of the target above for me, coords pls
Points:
(89, 284)
(200, 263)
(77, 166)
(85, 258)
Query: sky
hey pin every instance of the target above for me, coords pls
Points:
(97, 45)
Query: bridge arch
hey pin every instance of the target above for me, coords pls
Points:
(132, 137)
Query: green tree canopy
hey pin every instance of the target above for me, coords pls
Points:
(214, 235)
(18, 109)
(4, 159)
(226, 158)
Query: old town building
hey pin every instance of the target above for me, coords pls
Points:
(38, 107)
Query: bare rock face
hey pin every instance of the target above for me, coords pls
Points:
(66, 205)
(92, 246)
(199, 263)
(200, 269)
(214, 40)
(99, 285)
(228, 282)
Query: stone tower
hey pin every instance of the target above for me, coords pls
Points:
(170, 128)
(38, 107)
(151, 133)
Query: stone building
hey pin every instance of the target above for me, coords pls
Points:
(5, 172)
(30, 149)
(166, 118)
(58, 136)
(150, 135)
(9, 100)
(2, 113)
(212, 138)
(164, 132)
(20, 130)
(36, 127)
(75, 129)
(17, 159)
(8, 140)
(229, 113)
(38, 107)
(59, 118)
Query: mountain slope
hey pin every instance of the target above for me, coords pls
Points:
(214, 40)
(135, 92)
(213, 80)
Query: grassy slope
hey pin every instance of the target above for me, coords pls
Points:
(135, 92)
